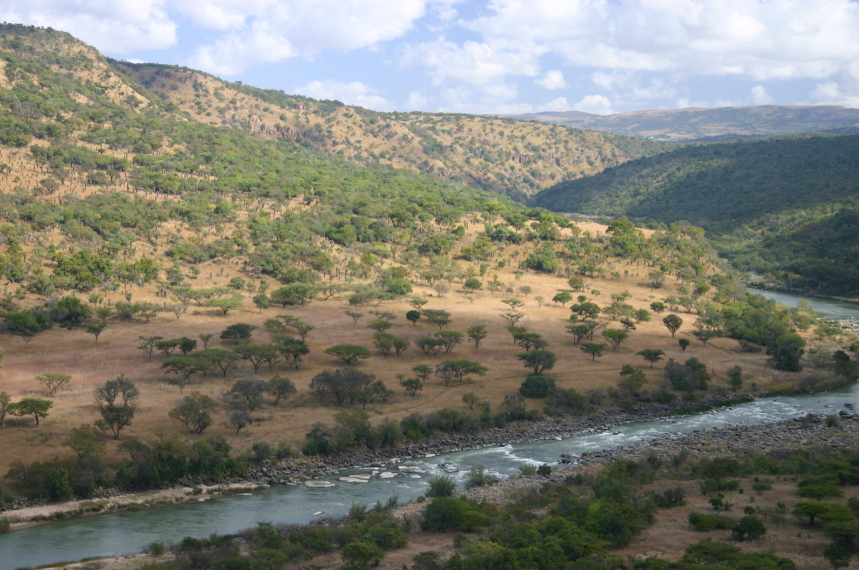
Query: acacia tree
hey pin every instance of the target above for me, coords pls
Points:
(117, 401)
(615, 337)
(651, 355)
(53, 382)
(593, 348)
(459, 369)
(476, 334)
(32, 407)
(349, 353)
(437, 317)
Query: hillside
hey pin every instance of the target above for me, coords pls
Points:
(501, 155)
(724, 123)
(782, 207)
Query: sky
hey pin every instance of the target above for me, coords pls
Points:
(502, 56)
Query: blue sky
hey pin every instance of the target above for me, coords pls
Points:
(598, 56)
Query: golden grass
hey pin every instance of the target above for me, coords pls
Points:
(89, 363)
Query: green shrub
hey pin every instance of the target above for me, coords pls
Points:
(5, 523)
(704, 523)
(440, 486)
(537, 386)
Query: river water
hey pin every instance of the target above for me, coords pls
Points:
(824, 307)
(126, 532)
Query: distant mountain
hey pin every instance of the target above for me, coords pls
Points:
(785, 207)
(710, 124)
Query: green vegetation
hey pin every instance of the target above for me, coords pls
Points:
(781, 207)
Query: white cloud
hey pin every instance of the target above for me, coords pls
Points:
(354, 93)
(417, 101)
(553, 79)
(118, 26)
(831, 93)
(279, 30)
(761, 40)
(559, 104)
(596, 104)
(760, 96)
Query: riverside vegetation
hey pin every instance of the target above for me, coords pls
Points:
(313, 304)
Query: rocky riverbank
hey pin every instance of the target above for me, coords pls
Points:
(295, 469)
(738, 441)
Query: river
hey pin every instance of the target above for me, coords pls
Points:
(827, 308)
(126, 532)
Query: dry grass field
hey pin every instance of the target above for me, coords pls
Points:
(89, 363)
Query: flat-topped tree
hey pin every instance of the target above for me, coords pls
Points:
(615, 337)
(476, 334)
(651, 355)
(437, 317)
(184, 367)
(218, 357)
(225, 305)
(27, 325)
(562, 298)
(32, 407)
(513, 303)
(418, 303)
(349, 353)
(53, 382)
(238, 333)
(422, 371)
(512, 318)
(354, 316)
(593, 348)
(458, 369)
(256, 354)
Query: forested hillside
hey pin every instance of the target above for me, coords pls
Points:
(783, 207)
(724, 123)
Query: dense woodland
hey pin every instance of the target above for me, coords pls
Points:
(780, 207)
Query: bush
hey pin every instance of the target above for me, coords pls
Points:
(526, 470)
(544, 471)
(478, 477)
(5, 523)
(440, 486)
(155, 548)
(537, 386)
(704, 523)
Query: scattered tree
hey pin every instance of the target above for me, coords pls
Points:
(117, 401)
(53, 382)
(348, 353)
(651, 355)
(672, 323)
(476, 334)
(615, 337)
(593, 348)
(194, 412)
(32, 407)
(540, 360)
